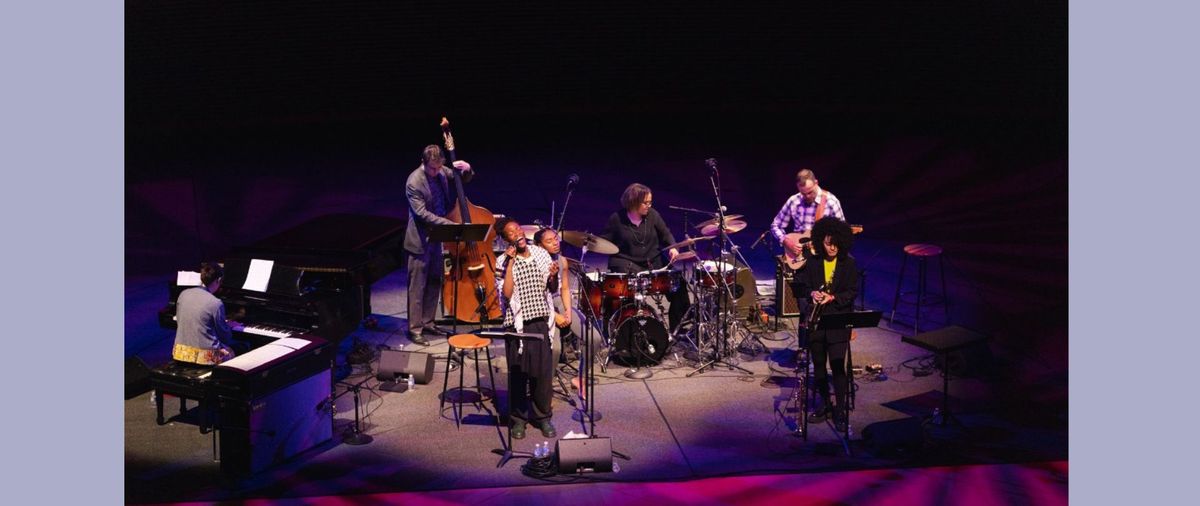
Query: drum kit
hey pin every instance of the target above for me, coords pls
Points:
(626, 309)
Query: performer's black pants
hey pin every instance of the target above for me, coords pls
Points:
(531, 376)
(823, 351)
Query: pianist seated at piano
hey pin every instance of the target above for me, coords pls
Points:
(203, 335)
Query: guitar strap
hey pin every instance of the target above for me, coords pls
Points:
(820, 208)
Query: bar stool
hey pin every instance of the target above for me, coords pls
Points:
(922, 253)
(461, 343)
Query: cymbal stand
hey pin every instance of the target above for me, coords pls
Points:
(723, 316)
(695, 314)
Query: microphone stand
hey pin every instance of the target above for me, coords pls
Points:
(723, 322)
(563, 212)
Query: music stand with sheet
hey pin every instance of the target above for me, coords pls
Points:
(510, 339)
(458, 232)
(943, 341)
(839, 321)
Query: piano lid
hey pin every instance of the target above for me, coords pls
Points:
(345, 234)
(284, 280)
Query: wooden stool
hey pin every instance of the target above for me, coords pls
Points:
(461, 343)
(922, 252)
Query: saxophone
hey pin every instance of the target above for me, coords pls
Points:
(814, 316)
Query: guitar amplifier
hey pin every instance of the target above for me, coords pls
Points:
(785, 300)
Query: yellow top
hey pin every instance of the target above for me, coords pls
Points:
(830, 265)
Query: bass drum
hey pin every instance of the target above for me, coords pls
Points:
(639, 336)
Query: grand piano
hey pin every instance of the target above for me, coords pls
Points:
(273, 402)
(320, 281)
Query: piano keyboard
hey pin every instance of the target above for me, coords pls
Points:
(262, 330)
(269, 331)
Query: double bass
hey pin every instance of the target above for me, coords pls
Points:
(470, 287)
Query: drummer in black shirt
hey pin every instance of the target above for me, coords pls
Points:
(640, 235)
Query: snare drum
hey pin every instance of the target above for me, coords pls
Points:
(710, 273)
(662, 282)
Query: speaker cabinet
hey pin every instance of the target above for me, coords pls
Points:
(393, 363)
(904, 436)
(585, 455)
(261, 432)
(785, 300)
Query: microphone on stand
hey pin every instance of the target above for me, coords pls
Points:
(760, 238)
(572, 180)
(712, 165)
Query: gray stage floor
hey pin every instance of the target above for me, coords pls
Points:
(671, 427)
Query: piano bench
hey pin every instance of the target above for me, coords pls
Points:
(185, 381)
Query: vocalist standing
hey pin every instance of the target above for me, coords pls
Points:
(522, 274)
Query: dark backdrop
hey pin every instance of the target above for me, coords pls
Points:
(933, 121)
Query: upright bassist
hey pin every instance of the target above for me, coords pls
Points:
(429, 200)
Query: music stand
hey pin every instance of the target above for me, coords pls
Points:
(943, 341)
(506, 453)
(458, 232)
(840, 321)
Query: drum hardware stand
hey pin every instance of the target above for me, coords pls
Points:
(722, 305)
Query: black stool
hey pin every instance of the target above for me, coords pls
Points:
(184, 381)
(922, 252)
(943, 341)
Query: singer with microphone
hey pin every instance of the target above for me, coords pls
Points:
(640, 235)
(833, 269)
(522, 276)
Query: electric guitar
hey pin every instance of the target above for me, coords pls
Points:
(795, 262)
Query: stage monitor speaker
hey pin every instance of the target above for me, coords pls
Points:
(785, 301)
(584, 455)
(137, 377)
(393, 363)
(894, 437)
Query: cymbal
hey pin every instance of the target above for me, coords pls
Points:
(594, 243)
(730, 228)
(530, 230)
(687, 242)
(728, 218)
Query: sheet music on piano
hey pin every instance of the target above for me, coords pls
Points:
(265, 353)
(187, 278)
(259, 275)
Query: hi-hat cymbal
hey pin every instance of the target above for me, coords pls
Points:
(728, 218)
(594, 244)
(687, 242)
(730, 228)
